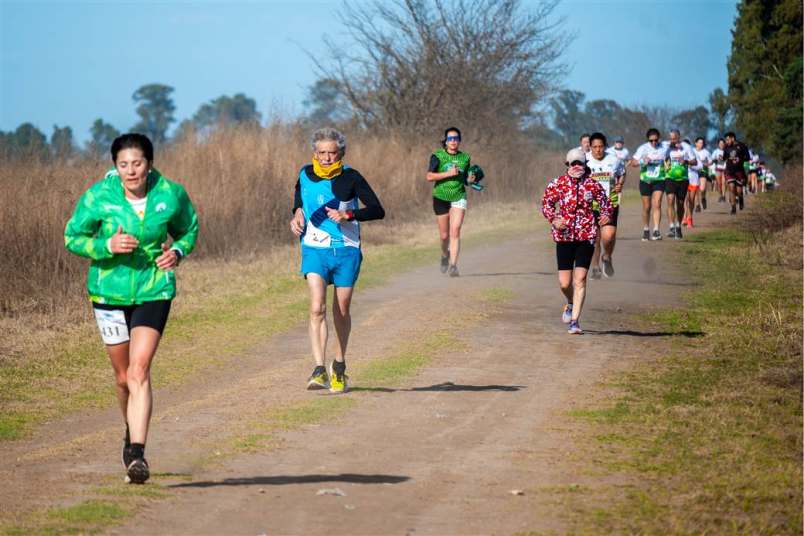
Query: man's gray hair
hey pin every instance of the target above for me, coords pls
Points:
(330, 134)
(676, 132)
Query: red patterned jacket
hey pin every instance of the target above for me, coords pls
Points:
(572, 200)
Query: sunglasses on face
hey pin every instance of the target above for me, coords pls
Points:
(577, 163)
(653, 140)
(453, 138)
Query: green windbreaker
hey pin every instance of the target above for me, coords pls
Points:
(131, 278)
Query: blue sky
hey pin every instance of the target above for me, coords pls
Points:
(70, 62)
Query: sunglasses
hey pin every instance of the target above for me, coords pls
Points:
(453, 138)
(653, 140)
(577, 163)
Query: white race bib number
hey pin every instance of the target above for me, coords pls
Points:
(315, 237)
(652, 171)
(112, 326)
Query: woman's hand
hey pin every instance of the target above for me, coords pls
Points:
(168, 260)
(297, 223)
(618, 186)
(603, 220)
(122, 243)
(453, 171)
(337, 215)
(559, 223)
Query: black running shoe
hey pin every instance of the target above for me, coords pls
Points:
(645, 235)
(444, 264)
(137, 471)
(127, 457)
(453, 270)
(742, 202)
(678, 236)
(733, 210)
(703, 203)
(671, 233)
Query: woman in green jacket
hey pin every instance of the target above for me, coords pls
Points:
(122, 223)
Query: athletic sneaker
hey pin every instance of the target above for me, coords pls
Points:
(721, 199)
(566, 315)
(575, 328)
(127, 457)
(338, 382)
(319, 379)
(645, 235)
(595, 273)
(137, 471)
(453, 270)
(703, 203)
(733, 210)
(697, 208)
(608, 267)
(671, 233)
(444, 264)
(678, 235)
(741, 202)
(657, 235)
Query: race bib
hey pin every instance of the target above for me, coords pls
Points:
(652, 171)
(112, 326)
(313, 236)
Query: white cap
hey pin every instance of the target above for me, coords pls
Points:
(576, 154)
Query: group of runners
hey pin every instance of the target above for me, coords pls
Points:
(583, 204)
(135, 225)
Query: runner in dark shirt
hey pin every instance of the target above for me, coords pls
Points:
(736, 155)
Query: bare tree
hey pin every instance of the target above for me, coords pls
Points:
(420, 65)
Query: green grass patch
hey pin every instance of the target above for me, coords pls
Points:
(88, 517)
(710, 433)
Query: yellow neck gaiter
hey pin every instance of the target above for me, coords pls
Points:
(328, 172)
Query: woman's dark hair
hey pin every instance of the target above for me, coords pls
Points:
(598, 136)
(721, 139)
(729, 135)
(700, 138)
(653, 131)
(133, 140)
(447, 131)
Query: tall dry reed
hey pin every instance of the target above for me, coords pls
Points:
(241, 182)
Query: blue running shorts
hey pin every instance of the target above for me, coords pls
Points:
(337, 266)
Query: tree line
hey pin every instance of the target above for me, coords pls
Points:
(494, 68)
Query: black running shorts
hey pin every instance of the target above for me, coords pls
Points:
(646, 189)
(576, 254)
(615, 215)
(677, 188)
(152, 314)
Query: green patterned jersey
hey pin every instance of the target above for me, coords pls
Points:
(451, 189)
(131, 278)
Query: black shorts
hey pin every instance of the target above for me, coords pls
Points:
(152, 314)
(646, 189)
(738, 178)
(441, 207)
(677, 188)
(576, 254)
(615, 215)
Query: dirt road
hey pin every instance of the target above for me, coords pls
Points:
(439, 454)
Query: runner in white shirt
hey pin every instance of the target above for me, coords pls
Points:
(619, 150)
(719, 159)
(608, 170)
(681, 157)
(753, 167)
(697, 177)
(650, 159)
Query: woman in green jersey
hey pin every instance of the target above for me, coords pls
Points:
(448, 172)
(122, 224)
